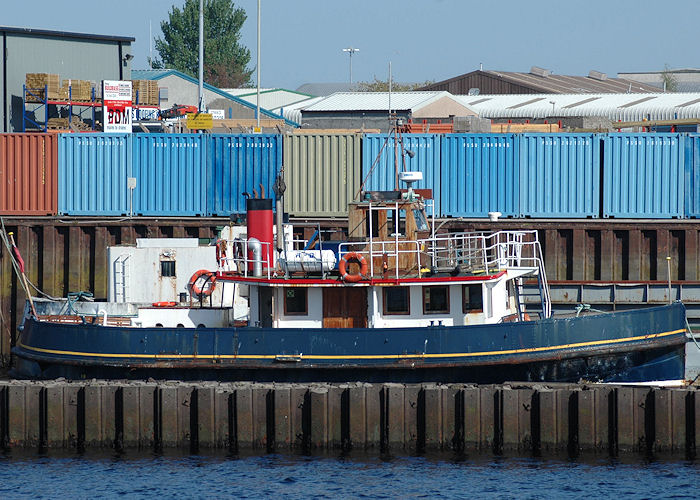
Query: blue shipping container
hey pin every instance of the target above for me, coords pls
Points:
(379, 170)
(692, 176)
(93, 172)
(643, 175)
(240, 164)
(559, 175)
(480, 174)
(171, 173)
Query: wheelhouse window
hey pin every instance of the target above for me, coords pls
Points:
(436, 299)
(296, 301)
(421, 220)
(472, 299)
(167, 268)
(396, 300)
(391, 221)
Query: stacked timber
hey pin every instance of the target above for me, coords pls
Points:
(519, 128)
(76, 90)
(75, 123)
(39, 83)
(146, 91)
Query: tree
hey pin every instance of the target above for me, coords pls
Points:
(383, 86)
(669, 79)
(225, 58)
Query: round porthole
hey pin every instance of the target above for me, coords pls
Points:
(159, 325)
(180, 325)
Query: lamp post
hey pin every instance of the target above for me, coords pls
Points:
(257, 98)
(201, 105)
(350, 51)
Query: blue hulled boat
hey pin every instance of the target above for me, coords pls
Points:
(394, 301)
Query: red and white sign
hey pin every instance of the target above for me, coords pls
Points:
(116, 106)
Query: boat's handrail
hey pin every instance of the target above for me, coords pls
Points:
(239, 261)
(485, 252)
(478, 253)
(375, 249)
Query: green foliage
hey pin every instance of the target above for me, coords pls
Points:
(225, 58)
(669, 79)
(383, 86)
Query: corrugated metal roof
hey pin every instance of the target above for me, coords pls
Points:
(157, 74)
(624, 107)
(489, 80)
(293, 111)
(561, 84)
(376, 101)
(325, 89)
(65, 34)
(275, 99)
(244, 91)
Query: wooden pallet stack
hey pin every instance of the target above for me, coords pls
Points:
(37, 83)
(76, 90)
(153, 92)
(75, 123)
(146, 91)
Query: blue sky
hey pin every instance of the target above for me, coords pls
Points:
(423, 39)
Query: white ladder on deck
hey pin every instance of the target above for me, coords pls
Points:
(121, 278)
(544, 285)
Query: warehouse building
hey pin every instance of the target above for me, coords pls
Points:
(588, 110)
(273, 100)
(370, 110)
(176, 87)
(672, 80)
(537, 81)
(70, 55)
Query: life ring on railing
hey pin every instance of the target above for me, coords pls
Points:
(220, 251)
(210, 279)
(343, 267)
(164, 304)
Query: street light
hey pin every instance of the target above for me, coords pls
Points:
(351, 51)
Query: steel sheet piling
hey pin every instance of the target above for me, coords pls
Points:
(243, 398)
(432, 422)
(319, 437)
(394, 409)
(631, 406)
(517, 419)
(384, 418)
(206, 418)
(593, 410)
(553, 422)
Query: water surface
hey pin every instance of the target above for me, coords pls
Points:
(294, 476)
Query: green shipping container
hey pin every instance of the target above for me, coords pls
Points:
(322, 173)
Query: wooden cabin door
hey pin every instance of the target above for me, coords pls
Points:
(345, 307)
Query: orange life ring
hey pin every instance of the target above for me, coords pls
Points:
(164, 304)
(204, 290)
(343, 264)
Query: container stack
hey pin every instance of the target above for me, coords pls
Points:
(38, 82)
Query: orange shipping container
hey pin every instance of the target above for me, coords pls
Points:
(28, 174)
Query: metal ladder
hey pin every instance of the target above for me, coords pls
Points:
(121, 278)
(544, 285)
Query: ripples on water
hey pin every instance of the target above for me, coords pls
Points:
(293, 476)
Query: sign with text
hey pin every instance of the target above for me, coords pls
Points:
(116, 106)
(199, 121)
(217, 114)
